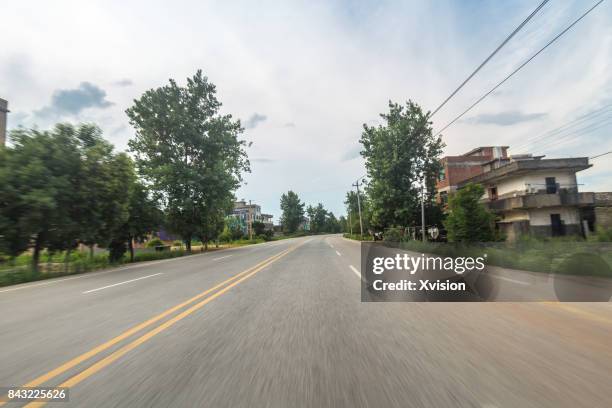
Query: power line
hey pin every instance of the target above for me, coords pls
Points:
(599, 155)
(519, 67)
(569, 138)
(568, 135)
(563, 128)
(516, 30)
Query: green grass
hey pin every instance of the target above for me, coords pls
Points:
(19, 270)
(549, 256)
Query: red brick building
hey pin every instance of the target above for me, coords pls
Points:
(456, 169)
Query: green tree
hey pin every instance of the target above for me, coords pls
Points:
(332, 224)
(468, 219)
(259, 228)
(399, 154)
(352, 208)
(343, 223)
(144, 218)
(293, 211)
(318, 218)
(105, 180)
(213, 222)
(189, 153)
(40, 175)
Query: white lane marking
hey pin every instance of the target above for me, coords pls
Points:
(510, 280)
(338, 253)
(331, 245)
(122, 283)
(355, 270)
(223, 257)
(144, 264)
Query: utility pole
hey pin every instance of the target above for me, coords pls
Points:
(423, 211)
(350, 222)
(359, 207)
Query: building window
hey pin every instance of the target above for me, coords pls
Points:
(551, 185)
(442, 174)
(492, 193)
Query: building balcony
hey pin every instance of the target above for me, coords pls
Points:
(542, 200)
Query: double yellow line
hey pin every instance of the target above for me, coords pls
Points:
(91, 370)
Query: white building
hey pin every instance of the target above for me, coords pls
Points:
(535, 196)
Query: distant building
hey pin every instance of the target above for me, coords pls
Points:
(456, 169)
(536, 196)
(267, 220)
(3, 111)
(247, 214)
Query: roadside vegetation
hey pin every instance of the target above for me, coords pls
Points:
(66, 189)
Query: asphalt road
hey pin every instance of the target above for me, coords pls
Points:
(281, 325)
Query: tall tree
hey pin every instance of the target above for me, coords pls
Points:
(293, 211)
(399, 154)
(352, 208)
(105, 180)
(144, 218)
(40, 178)
(332, 224)
(188, 151)
(468, 219)
(318, 218)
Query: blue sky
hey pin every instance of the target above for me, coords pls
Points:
(304, 76)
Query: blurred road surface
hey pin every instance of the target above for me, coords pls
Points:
(281, 325)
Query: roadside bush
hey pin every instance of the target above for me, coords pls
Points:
(154, 242)
(393, 235)
(602, 235)
(178, 243)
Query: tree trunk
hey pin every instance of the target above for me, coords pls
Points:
(91, 251)
(206, 245)
(36, 254)
(188, 245)
(131, 247)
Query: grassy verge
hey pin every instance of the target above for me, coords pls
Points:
(57, 265)
(551, 256)
(561, 256)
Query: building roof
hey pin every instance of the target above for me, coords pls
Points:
(515, 168)
(482, 147)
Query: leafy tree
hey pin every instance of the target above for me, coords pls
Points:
(293, 211)
(212, 223)
(189, 153)
(343, 223)
(144, 217)
(318, 216)
(332, 224)
(259, 228)
(399, 154)
(106, 178)
(468, 219)
(40, 179)
(352, 208)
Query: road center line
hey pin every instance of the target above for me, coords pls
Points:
(110, 343)
(88, 372)
(338, 253)
(223, 257)
(355, 271)
(122, 283)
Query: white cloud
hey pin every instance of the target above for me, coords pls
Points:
(327, 67)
